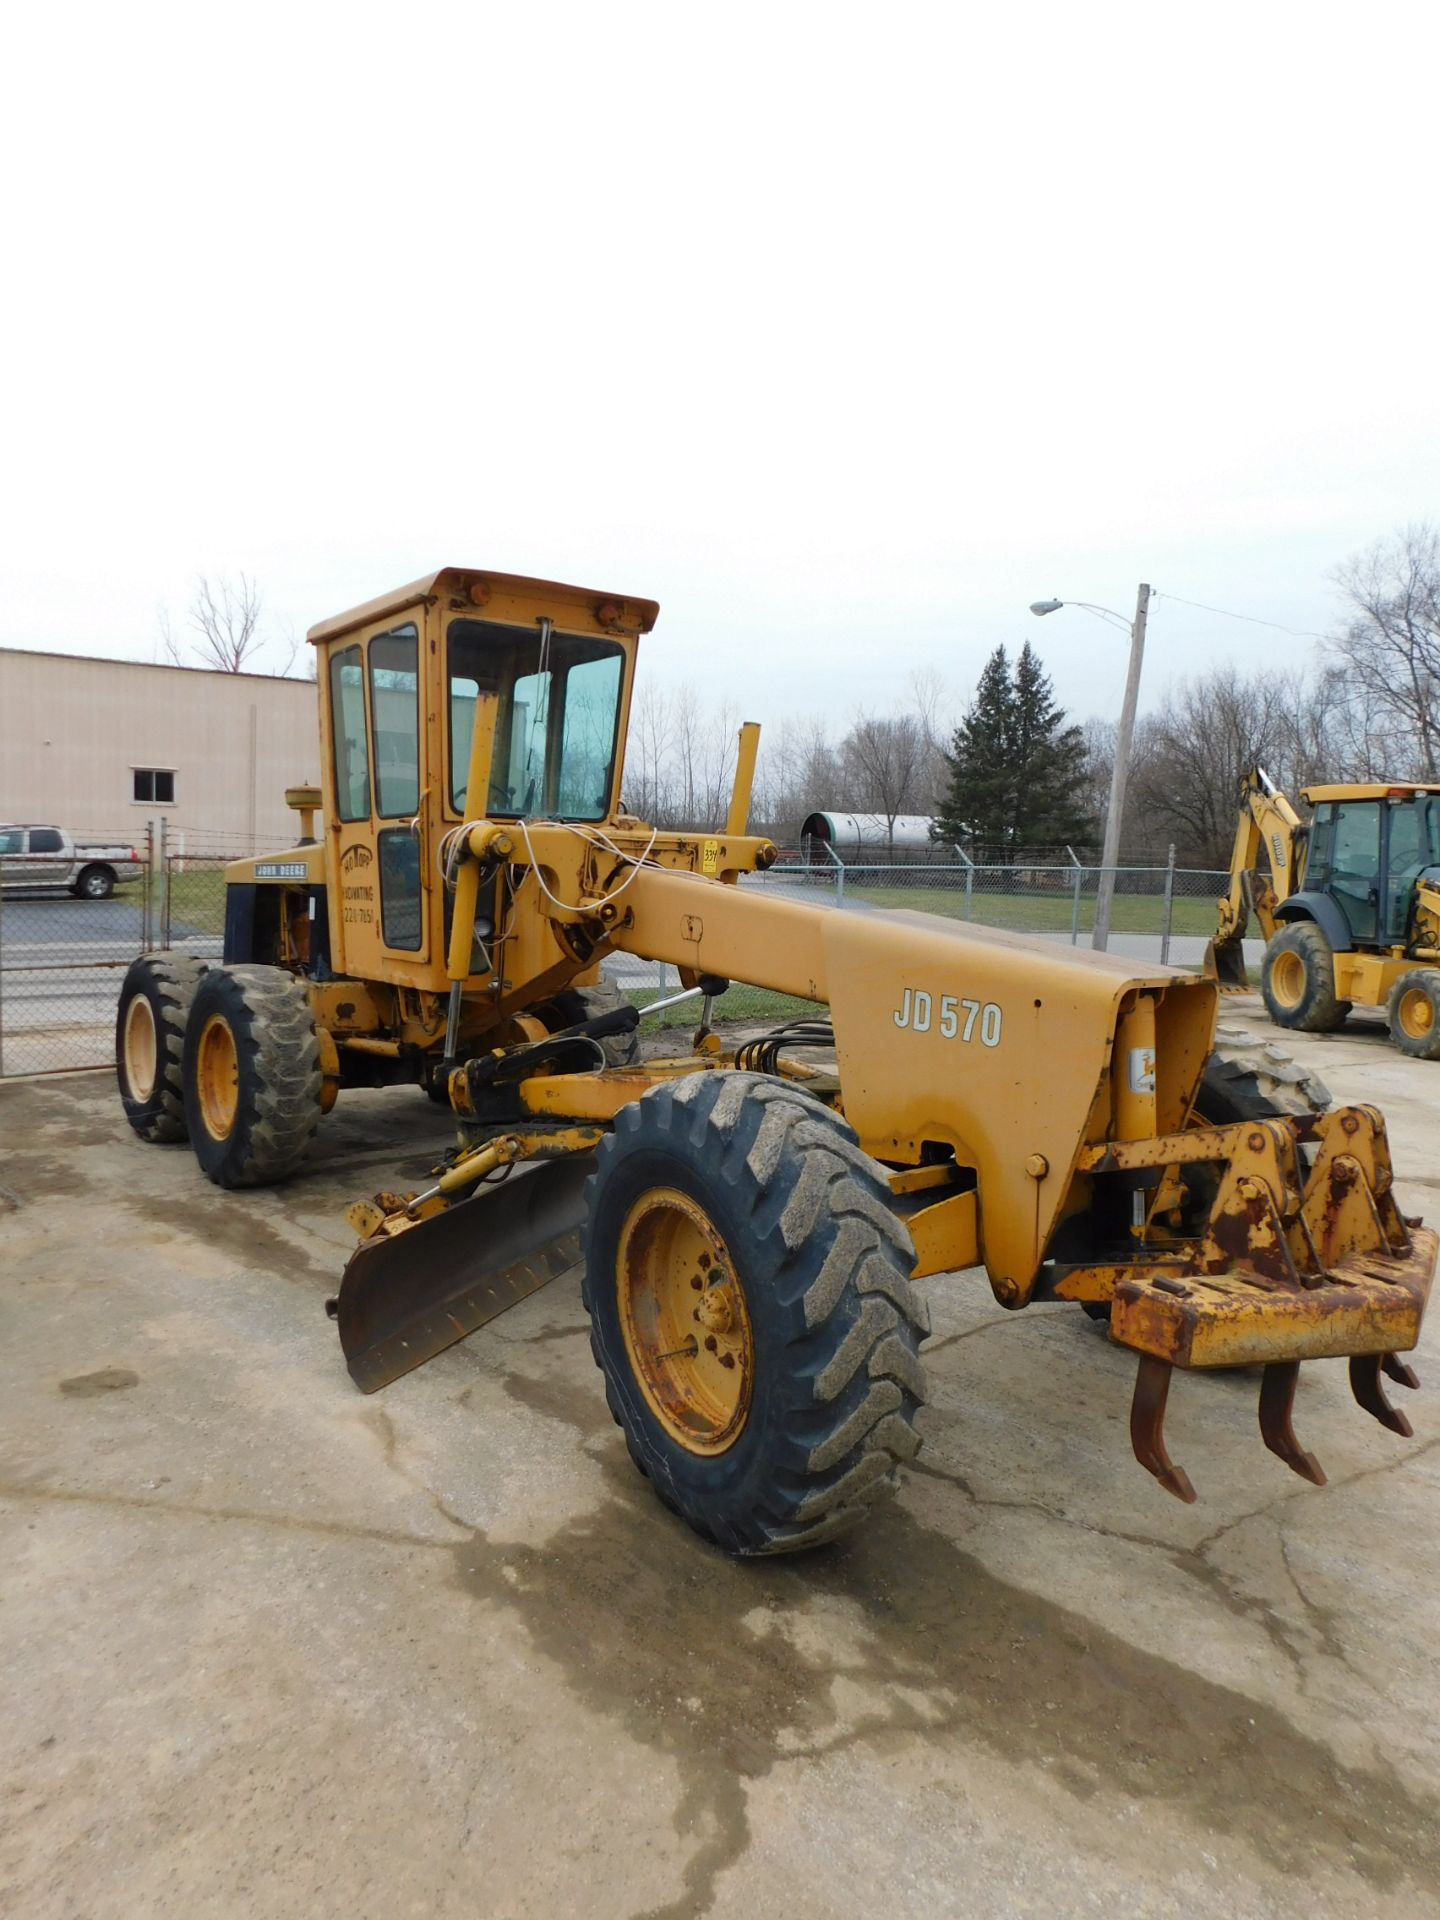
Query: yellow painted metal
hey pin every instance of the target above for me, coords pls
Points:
(1370, 1304)
(1415, 1013)
(140, 1048)
(1288, 978)
(946, 1235)
(217, 1076)
(738, 818)
(685, 1321)
(1366, 978)
(1366, 790)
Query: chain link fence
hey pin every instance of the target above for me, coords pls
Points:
(63, 955)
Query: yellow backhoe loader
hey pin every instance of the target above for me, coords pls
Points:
(1349, 906)
(751, 1219)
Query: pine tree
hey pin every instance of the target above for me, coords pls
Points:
(1049, 764)
(979, 800)
(1016, 770)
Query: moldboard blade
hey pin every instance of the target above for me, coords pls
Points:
(405, 1298)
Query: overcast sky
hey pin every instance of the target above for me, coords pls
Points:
(845, 333)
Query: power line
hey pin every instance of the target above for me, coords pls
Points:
(1299, 633)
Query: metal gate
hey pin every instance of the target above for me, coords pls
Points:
(62, 959)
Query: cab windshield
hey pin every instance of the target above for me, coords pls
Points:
(558, 708)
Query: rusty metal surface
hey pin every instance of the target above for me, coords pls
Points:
(1147, 1428)
(1277, 1404)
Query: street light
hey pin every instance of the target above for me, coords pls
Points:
(1100, 939)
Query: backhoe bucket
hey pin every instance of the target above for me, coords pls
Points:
(406, 1296)
(1225, 962)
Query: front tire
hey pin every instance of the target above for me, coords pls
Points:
(730, 1215)
(251, 1075)
(150, 1042)
(1297, 980)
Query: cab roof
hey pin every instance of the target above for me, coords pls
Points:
(1369, 790)
(472, 587)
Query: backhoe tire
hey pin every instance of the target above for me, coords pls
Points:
(1297, 980)
(575, 1004)
(251, 1075)
(150, 1042)
(1248, 1079)
(1414, 1013)
(741, 1176)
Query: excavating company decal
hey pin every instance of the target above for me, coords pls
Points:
(359, 896)
(957, 1018)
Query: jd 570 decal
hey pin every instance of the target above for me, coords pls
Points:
(954, 1019)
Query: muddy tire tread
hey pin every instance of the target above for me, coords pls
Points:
(280, 1078)
(821, 1238)
(174, 978)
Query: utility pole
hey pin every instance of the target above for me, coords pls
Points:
(1109, 859)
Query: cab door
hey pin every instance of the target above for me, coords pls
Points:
(1355, 866)
(395, 736)
(373, 715)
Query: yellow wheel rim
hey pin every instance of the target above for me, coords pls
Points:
(1287, 978)
(1415, 1013)
(217, 1077)
(685, 1323)
(139, 1048)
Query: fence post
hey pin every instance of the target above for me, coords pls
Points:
(164, 882)
(1075, 905)
(1169, 907)
(839, 882)
(2, 983)
(969, 881)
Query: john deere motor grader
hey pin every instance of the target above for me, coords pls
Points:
(753, 1219)
(1349, 906)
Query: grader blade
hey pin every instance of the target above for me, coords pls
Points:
(405, 1297)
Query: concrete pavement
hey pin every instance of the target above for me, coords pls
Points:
(274, 1648)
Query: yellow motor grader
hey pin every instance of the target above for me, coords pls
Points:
(1349, 906)
(752, 1219)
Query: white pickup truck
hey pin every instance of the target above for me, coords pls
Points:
(46, 858)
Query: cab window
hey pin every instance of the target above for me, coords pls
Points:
(395, 722)
(347, 729)
(556, 715)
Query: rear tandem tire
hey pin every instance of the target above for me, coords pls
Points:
(1297, 980)
(251, 1075)
(823, 1406)
(150, 1040)
(1248, 1079)
(575, 1004)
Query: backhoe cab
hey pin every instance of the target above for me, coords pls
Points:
(1349, 906)
(751, 1219)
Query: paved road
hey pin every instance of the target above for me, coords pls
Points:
(275, 1648)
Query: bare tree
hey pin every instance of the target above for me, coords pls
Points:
(1390, 645)
(226, 616)
(886, 759)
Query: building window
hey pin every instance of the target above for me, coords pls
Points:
(155, 786)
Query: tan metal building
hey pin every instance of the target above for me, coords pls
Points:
(109, 745)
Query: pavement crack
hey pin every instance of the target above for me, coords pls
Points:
(245, 1516)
